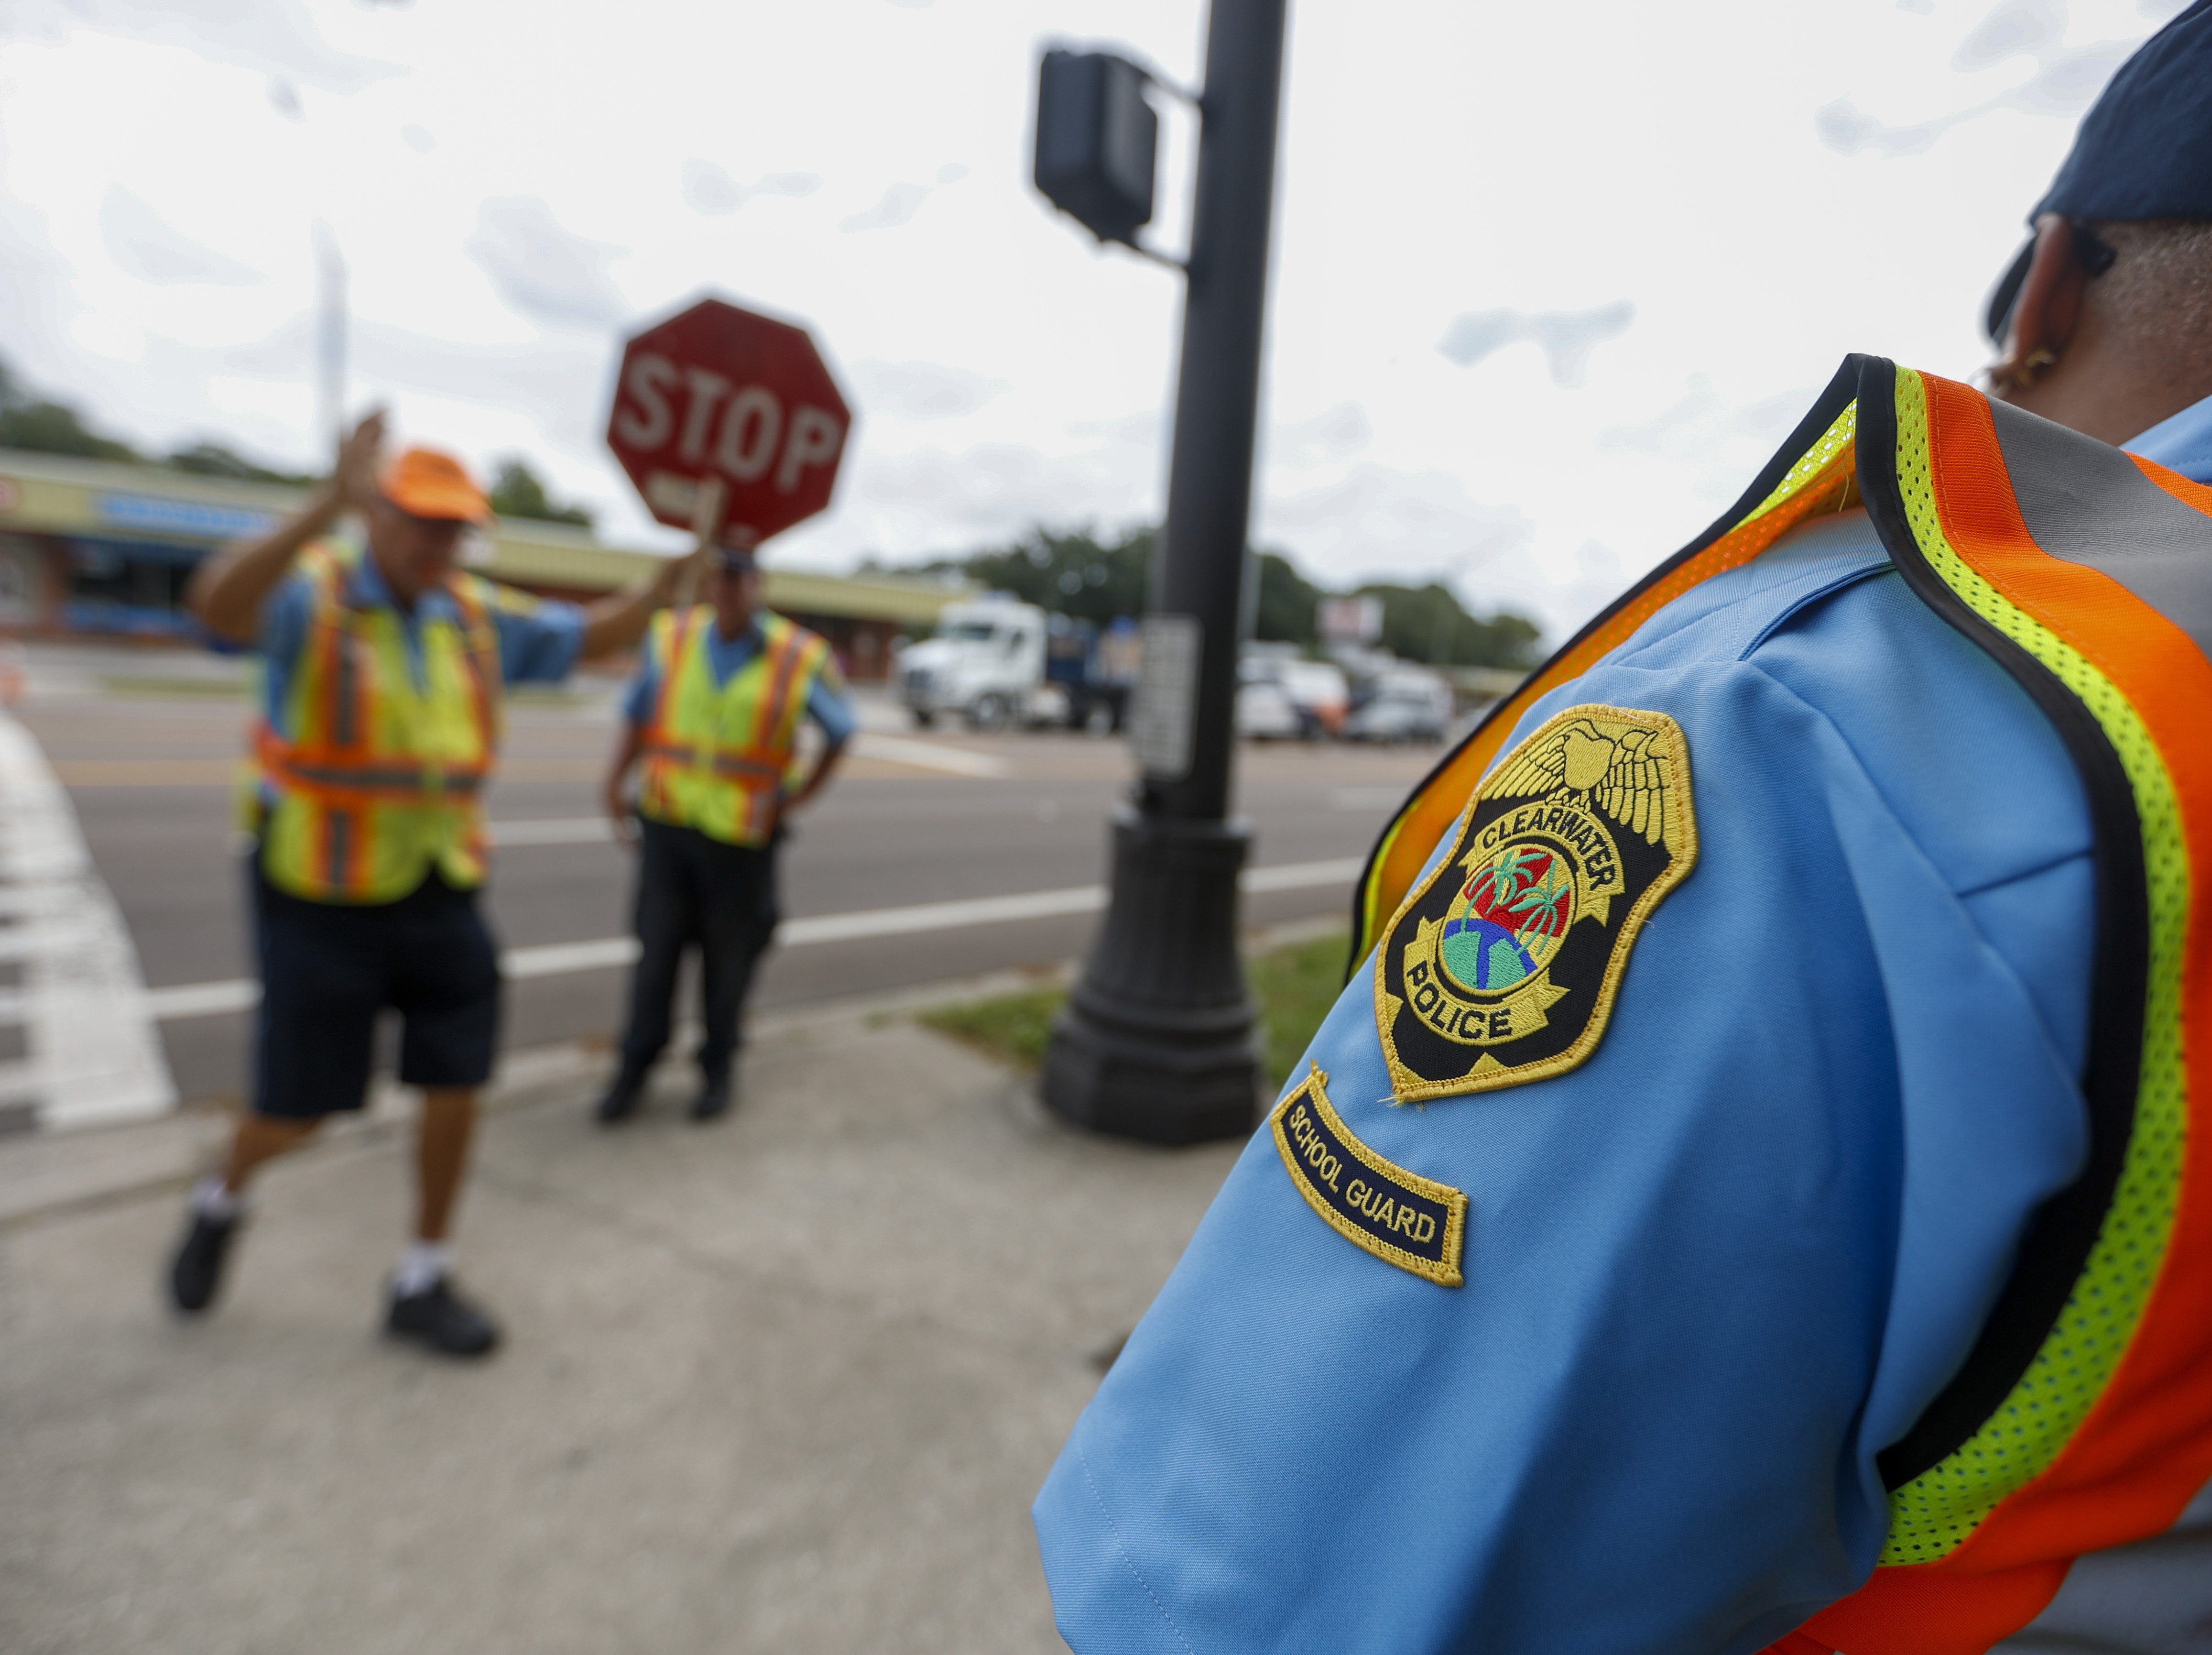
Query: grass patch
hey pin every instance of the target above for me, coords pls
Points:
(1296, 987)
(1013, 1028)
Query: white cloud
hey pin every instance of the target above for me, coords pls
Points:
(1566, 339)
(143, 245)
(276, 38)
(900, 203)
(922, 391)
(544, 271)
(2065, 81)
(1335, 434)
(710, 189)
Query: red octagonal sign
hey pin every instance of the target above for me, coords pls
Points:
(717, 394)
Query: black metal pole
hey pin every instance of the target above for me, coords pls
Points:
(1157, 1041)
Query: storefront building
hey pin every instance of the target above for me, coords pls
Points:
(92, 548)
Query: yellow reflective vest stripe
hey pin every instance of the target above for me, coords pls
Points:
(717, 757)
(375, 779)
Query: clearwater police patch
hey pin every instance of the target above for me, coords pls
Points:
(1411, 1221)
(1501, 966)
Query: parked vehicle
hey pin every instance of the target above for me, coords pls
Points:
(1402, 706)
(985, 662)
(1265, 710)
(1096, 671)
(1281, 694)
(1320, 693)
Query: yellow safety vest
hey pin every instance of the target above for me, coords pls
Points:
(717, 757)
(375, 780)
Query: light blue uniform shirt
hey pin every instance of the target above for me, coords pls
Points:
(1711, 1273)
(825, 704)
(539, 638)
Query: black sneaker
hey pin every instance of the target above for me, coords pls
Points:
(196, 1273)
(620, 1102)
(714, 1099)
(443, 1320)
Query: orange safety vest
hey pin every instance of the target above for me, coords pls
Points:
(717, 757)
(374, 780)
(2081, 1420)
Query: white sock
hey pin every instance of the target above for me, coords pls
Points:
(420, 1267)
(211, 1198)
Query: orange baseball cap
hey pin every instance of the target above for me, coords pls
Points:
(427, 484)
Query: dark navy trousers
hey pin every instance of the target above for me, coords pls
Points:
(697, 891)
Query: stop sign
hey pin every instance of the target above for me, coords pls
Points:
(717, 392)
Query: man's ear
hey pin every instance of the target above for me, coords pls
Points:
(2049, 308)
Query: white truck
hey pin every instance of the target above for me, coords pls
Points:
(985, 662)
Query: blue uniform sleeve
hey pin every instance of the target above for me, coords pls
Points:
(644, 688)
(1710, 1273)
(539, 638)
(286, 615)
(829, 705)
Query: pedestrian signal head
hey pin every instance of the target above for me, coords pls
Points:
(1097, 142)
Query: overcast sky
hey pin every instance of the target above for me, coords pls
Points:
(1551, 281)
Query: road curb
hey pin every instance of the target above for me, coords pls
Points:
(44, 1175)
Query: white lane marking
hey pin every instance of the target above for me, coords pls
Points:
(1301, 876)
(928, 755)
(940, 916)
(551, 830)
(93, 1053)
(555, 959)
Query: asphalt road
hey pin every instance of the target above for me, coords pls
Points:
(149, 771)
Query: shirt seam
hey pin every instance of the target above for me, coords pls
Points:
(1842, 582)
(1634, 647)
(1114, 1533)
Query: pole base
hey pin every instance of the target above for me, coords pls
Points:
(1159, 1040)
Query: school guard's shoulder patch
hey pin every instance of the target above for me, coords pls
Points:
(1411, 1221)
(1502, 964)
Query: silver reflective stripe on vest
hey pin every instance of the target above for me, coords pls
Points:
(2089, 504)
(2154, 1598)
(424, 779)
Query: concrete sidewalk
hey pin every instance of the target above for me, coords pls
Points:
(785, 1382)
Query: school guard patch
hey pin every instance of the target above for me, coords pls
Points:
(1402, 1217)
(1502, 964)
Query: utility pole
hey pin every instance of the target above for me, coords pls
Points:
(329, 338)
(1159, 1038)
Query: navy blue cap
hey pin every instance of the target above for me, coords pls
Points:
(2144, 151)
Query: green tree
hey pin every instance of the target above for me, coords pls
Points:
(1426, 623)
(1093, 579)
(1077, 575)
(42, 427)
(213, 460)
(518, 491)
(1287, 602)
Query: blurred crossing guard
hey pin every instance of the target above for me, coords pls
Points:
(714, 715)
(385, 667)
(92, 1055)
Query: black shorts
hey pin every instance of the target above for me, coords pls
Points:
(327, 969)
